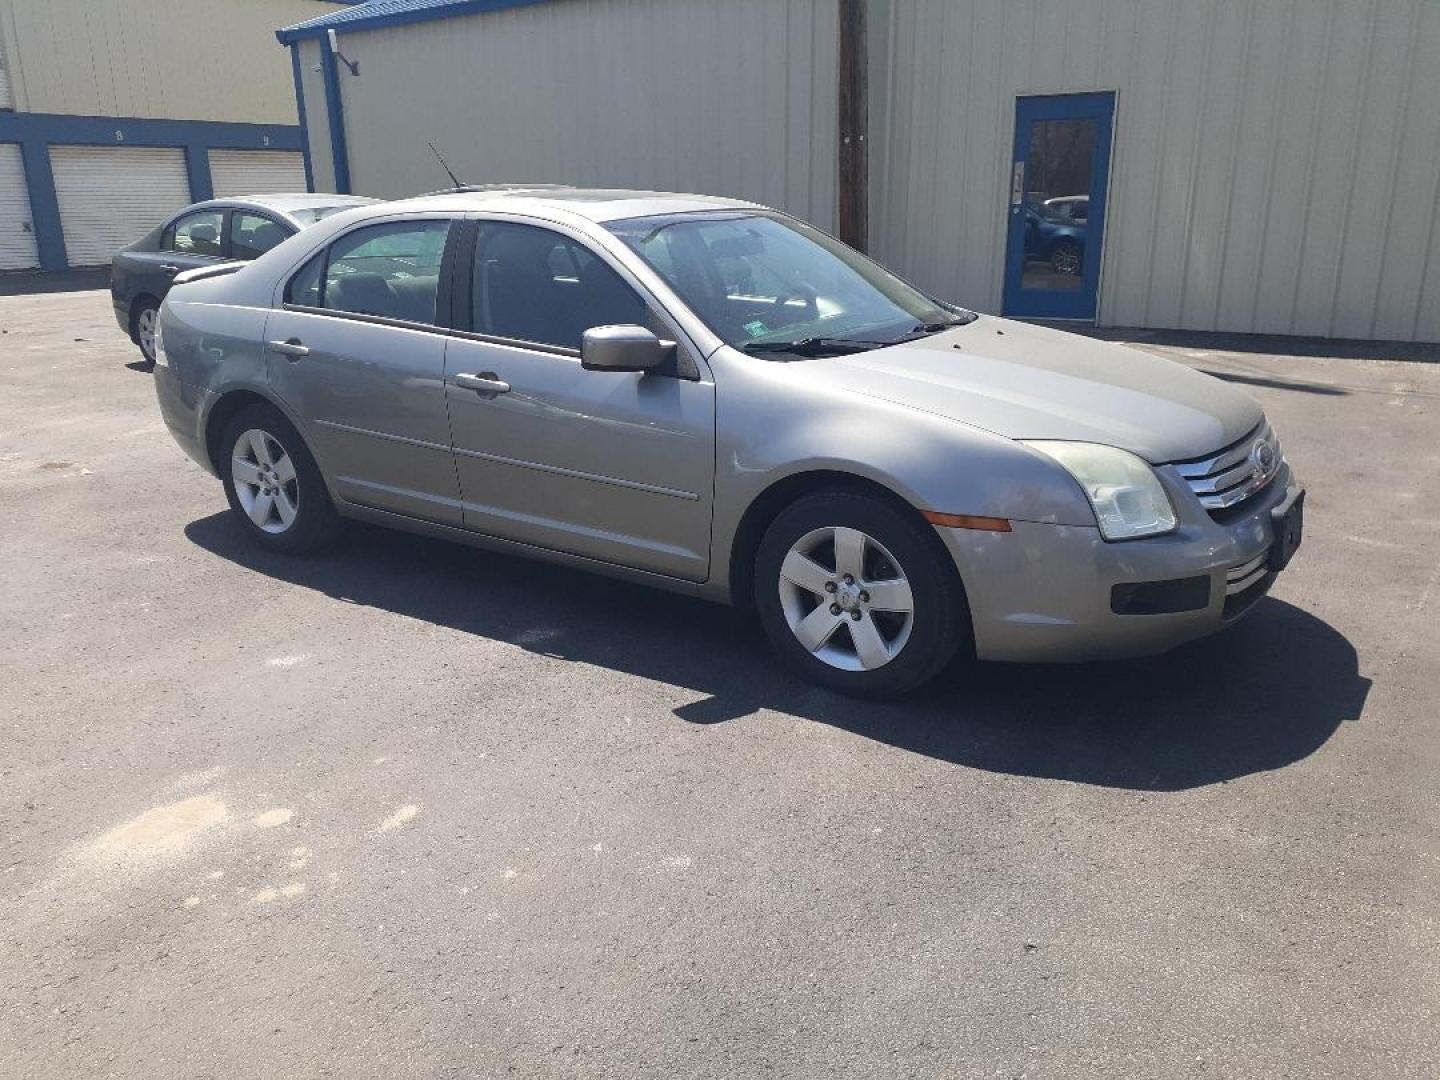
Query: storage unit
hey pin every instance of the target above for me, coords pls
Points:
(1222, 165)
(17, 231)
(256, 172)
(111, 195)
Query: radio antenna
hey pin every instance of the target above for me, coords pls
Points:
(449, 172)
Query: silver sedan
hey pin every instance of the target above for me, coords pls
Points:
(709, 396)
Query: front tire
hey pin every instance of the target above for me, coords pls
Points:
(1067, 258)
(856, 595)
(272, 483)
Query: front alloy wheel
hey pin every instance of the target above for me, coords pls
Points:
(846, 598)
(858, 594)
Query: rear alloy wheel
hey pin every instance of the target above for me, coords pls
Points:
(146, 320)
(272, 482)
(855, 596)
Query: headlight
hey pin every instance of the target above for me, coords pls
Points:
(1127, 496)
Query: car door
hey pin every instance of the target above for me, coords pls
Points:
(357, 354)
(614, 466)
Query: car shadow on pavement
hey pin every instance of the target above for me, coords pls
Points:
(1264, 694)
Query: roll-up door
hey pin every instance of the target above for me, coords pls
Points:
(110, 196)
(17, 229)
(256, 172)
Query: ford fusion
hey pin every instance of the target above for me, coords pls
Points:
(712, 397)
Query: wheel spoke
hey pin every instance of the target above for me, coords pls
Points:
(870, 647)
(284, 469)
(817, 628)
(259, 446)
(284, 507)
(805, 572)
(850, 552)
(892, 595)
(245, 472)
(260, 509)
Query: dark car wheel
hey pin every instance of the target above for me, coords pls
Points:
(144, 321)
(273, 484)
(1067, 258)
(856, 596)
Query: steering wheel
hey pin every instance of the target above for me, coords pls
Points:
(805, 293)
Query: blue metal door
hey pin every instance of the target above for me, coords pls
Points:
(1058, 182)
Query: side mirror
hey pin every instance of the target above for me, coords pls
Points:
(623, 348)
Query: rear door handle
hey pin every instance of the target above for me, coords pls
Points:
(167, 268)
(487, 382)
(291, 347)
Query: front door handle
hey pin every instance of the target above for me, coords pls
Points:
(291, 347)
(167, 268)
(487, 382)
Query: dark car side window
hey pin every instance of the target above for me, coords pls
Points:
(195, 234)
(251, 235)
(390, 271)
(531, 284)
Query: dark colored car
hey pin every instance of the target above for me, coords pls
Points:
(1055, 238)
(206, 234)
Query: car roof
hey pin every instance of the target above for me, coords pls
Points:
(282, 202)
(595, 204)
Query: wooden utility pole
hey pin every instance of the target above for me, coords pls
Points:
(854, 162)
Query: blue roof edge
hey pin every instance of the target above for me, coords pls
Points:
(391, 13)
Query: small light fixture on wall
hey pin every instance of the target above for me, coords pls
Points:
(353, 65)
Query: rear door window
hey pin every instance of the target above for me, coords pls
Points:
(195, 234)
(251, 235)
(391, 271)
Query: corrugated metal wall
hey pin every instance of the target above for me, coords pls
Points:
(735, 98)
(187, 60)
(1275, 166)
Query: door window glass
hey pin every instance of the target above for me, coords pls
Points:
(251, 235)
(304, 288)
(390, 270)
(531, 284)
(195, 234)
(1057, 189)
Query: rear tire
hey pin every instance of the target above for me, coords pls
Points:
(272, 483)
(143, 322)
(856, 595)
(1067, 258)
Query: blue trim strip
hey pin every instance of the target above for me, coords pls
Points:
(300, 109)
(335, 109)
(380, 13)
(197, 165)
(37, 132)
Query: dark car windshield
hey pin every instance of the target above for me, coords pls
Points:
(763, 281)
(309, 215)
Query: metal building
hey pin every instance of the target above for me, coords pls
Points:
(113, 113)
(1262, 166)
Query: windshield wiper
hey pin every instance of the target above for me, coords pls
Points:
(813, 346)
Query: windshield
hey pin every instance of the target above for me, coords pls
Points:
(763, 282)
(309, 215)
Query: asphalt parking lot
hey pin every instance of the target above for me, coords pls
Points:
(407, 809)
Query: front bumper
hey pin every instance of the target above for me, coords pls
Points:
(1048, 592)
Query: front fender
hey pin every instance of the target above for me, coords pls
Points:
(772, 425)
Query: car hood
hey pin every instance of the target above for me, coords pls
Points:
(1028, 382)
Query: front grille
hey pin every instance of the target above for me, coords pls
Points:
(1227, 478)
(1247, 583)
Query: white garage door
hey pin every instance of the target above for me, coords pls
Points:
(17, 231)
(110, 196)
(256, 172)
